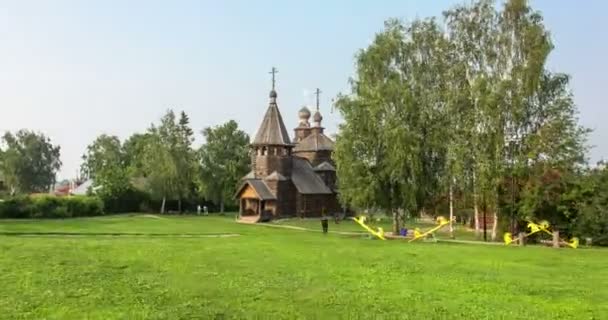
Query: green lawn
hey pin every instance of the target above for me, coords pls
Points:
(275, 273)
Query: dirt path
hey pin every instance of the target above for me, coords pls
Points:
(117, 235)
(362, 233)
(346, 233)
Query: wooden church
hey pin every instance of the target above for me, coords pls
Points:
(289, 177)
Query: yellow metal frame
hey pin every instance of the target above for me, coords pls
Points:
(419, 235)
(542, 226)
(379, 234)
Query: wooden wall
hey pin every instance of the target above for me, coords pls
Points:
(313, 205)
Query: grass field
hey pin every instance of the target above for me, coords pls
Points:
(143, 267)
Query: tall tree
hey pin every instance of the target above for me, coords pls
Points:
(29, 162)
(554, 146)
(104, 162)
(186, 160)
(224, 161)
(169, 162)
(390, 151)
(503, 54)
(160, 169)
(472, 30)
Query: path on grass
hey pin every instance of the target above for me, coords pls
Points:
(355, 233)
(471, 242)
(117, 234)
(283, 226)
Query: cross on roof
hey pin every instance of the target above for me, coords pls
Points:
(318, 93)
(273, 71)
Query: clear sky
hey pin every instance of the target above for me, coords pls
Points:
(77, 69)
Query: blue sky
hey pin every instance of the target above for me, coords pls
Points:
(77, 69)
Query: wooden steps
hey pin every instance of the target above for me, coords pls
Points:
(249, 219)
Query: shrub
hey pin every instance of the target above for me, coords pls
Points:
(16, 208)
(44, 206)
(47, 206)
(59, 212)
(131, 200)
(88, 206)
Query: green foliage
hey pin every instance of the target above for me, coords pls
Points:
(161, 170)
(28, 162)
(170, 164)
(17, 207)
(47, 206)
(105, 163)
(224, 161)
(134, 149)
(158, 164)
(130, 200)
(80, 206)
(390, 150)
(460, 108)
(592, 205)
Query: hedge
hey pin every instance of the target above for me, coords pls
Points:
(130, 200)
(47, 206)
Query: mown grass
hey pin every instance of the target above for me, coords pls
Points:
(273, 273)
(128, 224)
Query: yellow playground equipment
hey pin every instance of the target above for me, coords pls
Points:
(379, 234)
(441, 222)
(542, 226)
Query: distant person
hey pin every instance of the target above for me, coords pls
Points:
(324, 224)
(324, 221)
(198, 210)
(206, 210)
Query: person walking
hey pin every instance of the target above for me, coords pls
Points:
(324, 221)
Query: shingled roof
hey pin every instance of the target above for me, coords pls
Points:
(305, 179)
(275, 176)
(261, 189)
(315, 142)
(272, 131)
(325, 166)
(250, 175)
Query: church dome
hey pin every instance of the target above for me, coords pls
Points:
(317, 117)
(273, 94)
(304, 113)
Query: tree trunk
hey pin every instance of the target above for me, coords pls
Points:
(485, 221)
(451, 211)
(222, 206)
(476, 209)
(495, 225)
(179, 205)
(396, 225)
(477, 224)
(162, 207)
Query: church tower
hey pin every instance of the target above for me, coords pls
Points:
(272, 148)
(315, 146)
(303, 129)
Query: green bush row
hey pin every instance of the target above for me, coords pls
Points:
(25, 207)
